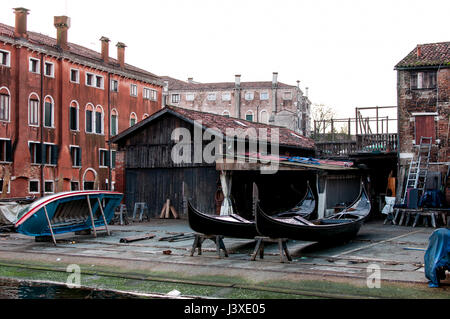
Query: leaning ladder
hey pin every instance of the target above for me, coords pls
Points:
(418, 168)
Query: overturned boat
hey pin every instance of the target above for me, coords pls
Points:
(342, 226)
(67, 212)
(228, 225)
(305, 208)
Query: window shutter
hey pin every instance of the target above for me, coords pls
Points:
(425, 126)
(54, 155)
(9, 157)
(79, 156)
(107, 158)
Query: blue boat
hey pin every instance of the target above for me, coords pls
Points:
(68, 212)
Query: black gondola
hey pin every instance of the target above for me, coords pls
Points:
(229, 226)
(305, 208)
(339, 227)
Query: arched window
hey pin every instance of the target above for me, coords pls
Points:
(73, 116)
(5, 100)
(99, 126)
(249, 116)
(133, 119)
(89, 178)
(114, 122)
(33, 109)
(264, 117)
(89, 118)
(226, 113)
(145, 116)
(49, 111)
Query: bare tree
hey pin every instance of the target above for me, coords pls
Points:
(322, 115)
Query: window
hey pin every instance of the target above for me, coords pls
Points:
(99, 120)
(75, 152)
(49, 69)
(133, 119)
(249, 116)
(423, 80)
(33, 111)
(175, 98)
(7, 188)
(264, 96)
(226, 113)
(48, 112)
(103, 158)
(114, 86)
(287, 95)
(149, 94)
(89, 79)
(249, 96)
(74, 186)
(190, 97)
(33, 187)
(49, 187)
(50, 154)
(73, 116)
(5, 58)
(211, 96)
(226, 97)
(88, 186)
(4, 106)
(133, 90)
(99, 81)
(264, 117)
(34, 65)
(35, 152)
(5, 151)
(114, 122)
(74, 76)
(425, 126)
(89, 118)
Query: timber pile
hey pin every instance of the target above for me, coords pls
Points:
(136, 238)
(167, 209)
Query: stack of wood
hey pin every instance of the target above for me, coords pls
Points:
(167, 209)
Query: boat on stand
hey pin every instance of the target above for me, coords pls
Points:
(68, 212)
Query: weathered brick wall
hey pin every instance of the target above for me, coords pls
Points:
(419, 101)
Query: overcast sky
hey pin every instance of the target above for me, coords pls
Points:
(344, 51)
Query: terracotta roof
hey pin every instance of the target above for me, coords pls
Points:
(221, 123)
(75, 49)
(175, 84)
(432, 54)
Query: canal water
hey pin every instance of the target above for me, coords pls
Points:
(11, 289)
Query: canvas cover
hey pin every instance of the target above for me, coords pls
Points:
(437, 256)
(9, 212)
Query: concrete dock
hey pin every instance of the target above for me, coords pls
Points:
(152, 265)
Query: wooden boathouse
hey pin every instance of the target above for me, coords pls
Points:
(154, 173)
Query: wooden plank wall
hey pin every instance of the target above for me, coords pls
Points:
(155, 186)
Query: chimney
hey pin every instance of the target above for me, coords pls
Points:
(20, 30)
(298, 84)
(306, 91)
(237, 80)
(105, 49)
(62, 24)
(121, 53)
(190, 80)
(275, 79)
(419, 51)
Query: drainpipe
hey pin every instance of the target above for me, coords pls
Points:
(42, 124)
(109, 134)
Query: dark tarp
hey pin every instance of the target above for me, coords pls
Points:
(437, 256)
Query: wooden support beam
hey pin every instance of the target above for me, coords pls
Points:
(103, 215)
(92, 216)
(50, 225)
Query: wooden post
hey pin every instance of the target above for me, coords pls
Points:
(103, 215)
(92, 216)
(50, 225)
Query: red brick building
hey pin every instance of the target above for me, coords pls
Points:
(423, 90)
(59, 105)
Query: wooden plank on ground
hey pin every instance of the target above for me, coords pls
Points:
(136, 238)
